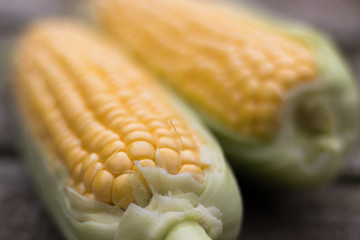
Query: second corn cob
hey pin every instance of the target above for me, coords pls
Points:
(277, 95)
(115, 157)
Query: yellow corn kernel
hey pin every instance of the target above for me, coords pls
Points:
(140, 150)
(138, 135)
(190, 157)
(91, 172)
(102, 186)
(80, 188)
(169, 142)
(193, 169)
(147, 163)
(168, 159)
(98, 111)
(122, 192)
(119, 163)
(190, 168)
(226, 64)
(111, 148)
(88, 160)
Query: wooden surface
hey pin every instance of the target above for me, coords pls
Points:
(329, 213)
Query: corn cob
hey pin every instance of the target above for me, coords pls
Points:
(118, 157)
(277, 95)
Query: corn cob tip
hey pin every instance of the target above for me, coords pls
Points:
(112, 144)
(267, 88)
(240, 70)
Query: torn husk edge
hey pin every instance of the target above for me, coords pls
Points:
(213, 205)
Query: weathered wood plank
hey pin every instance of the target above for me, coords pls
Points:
(22, 215)
(15, 14)
(339, 18)
(331, 213)
(352, 168)
(328, 213)
(6, 109)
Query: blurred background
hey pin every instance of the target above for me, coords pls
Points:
(332, 212)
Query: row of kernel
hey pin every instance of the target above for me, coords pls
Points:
(94, 135)
(91, 179)
(285, 76)
(96, 180)
(136, 155)
(67, 144)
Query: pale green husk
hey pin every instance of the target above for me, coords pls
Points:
(212, 208)
(299, 157)
(308, 149)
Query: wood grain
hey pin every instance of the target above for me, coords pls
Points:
(329, 213)
(338, 18)
(22, 214)
(6, 107)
